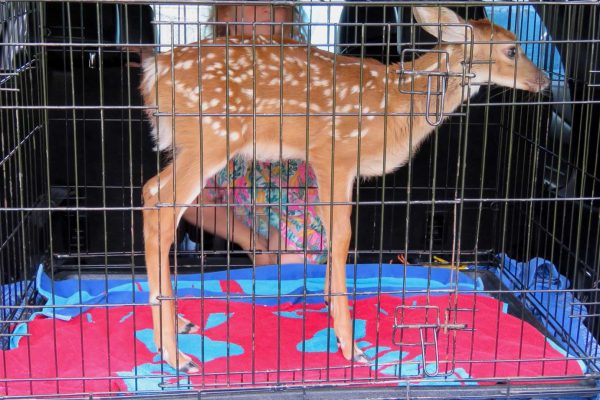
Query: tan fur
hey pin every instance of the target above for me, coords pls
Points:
(210, 128)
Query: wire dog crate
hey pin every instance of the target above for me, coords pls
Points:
(473, 269)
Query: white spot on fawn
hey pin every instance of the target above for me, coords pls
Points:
(404, 81)
(187, 64)
(343, 92)
(354, 133)
(315, 107)
(243, 62)
(346, 108)
(179, 87)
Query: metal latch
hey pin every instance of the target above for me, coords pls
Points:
(437, 76)
(430, 326)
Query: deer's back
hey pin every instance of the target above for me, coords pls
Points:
(278, 88)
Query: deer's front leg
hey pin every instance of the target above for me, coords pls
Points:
(336, 220)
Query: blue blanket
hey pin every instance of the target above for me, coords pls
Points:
(546, 297)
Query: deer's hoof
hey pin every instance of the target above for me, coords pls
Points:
(189, 367)
(360, 357)
(189, 328)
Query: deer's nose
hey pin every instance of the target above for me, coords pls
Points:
(543, 80)
(538, 82)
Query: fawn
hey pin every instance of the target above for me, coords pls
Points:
(210, 101)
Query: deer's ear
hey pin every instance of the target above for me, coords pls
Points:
(442, 16)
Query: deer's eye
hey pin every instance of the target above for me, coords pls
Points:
(511, 52)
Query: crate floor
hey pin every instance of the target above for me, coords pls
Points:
(107, 347)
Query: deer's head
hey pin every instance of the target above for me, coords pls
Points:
(497, 58)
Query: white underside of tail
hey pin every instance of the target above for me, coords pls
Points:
(162, 133)
(162, 128)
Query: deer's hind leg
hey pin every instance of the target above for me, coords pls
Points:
(166, 197)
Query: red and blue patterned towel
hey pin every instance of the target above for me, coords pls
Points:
(270, 342)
